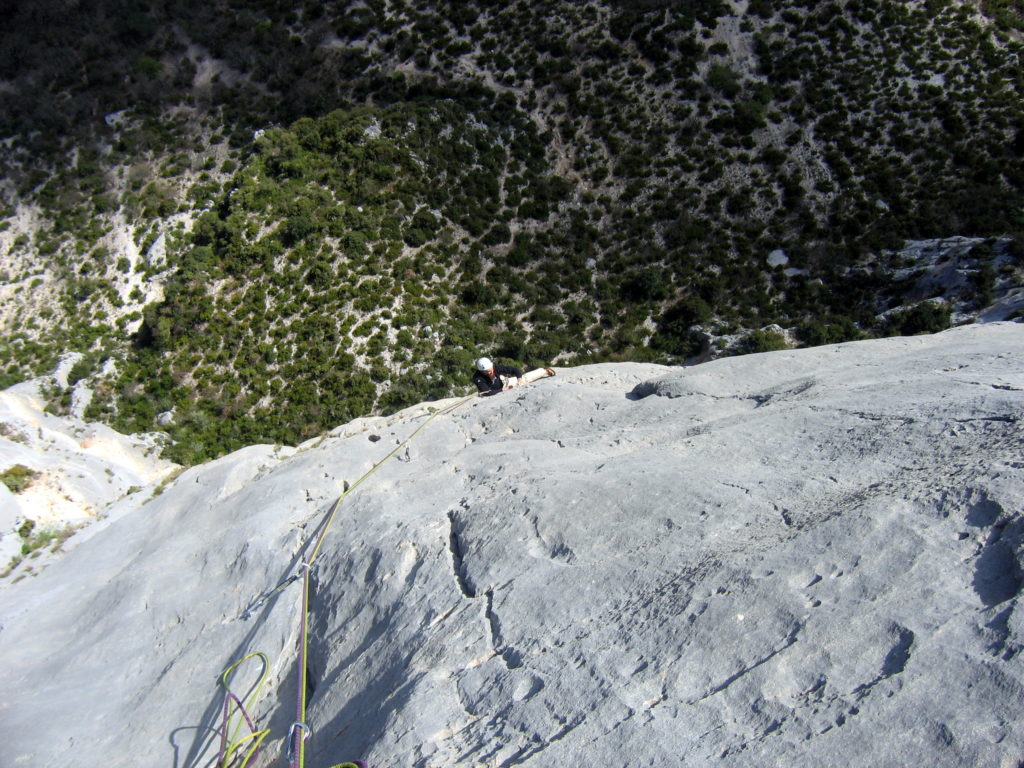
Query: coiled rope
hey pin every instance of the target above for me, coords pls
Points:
(299, 731)
(228, 748)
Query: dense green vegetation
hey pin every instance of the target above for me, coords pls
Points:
(296, 323)
(343, 204)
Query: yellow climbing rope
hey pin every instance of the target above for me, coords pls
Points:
(228, 747)
(299, 730)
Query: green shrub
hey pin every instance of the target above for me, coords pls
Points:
(725, 80)
(763, 341)
(49, 536)
(18, 477)
(676, 333)
(80, 370)
(926, 317)
(646, 285)
(983, 280)
(830, 330)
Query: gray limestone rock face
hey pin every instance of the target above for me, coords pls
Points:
(10, 515)
(802, 558)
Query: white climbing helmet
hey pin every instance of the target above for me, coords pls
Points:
(483, 364)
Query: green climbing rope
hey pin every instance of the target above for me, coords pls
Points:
(230, 745)
(299, 731)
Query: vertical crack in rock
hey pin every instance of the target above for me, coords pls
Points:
(512, 658)
(319, 618)
(458, 566)
(370, 577)
(310, 682)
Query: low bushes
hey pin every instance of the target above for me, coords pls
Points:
(18, 477)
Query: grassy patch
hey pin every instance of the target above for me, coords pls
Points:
(35, 540)
(18, 477)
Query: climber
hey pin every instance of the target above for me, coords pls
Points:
(491, 379)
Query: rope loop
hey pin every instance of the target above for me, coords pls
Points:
(231, 738)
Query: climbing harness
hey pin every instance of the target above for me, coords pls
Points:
(299, 731)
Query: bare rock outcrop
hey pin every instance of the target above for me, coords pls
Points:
(803, 558)
(81, 471)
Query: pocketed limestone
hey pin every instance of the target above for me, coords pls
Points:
(801, 558)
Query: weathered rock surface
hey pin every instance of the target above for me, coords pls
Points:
(805, 558)
(82, 468)
(950, 267)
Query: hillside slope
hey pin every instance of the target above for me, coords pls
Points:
(258, 219)
(801, 558)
